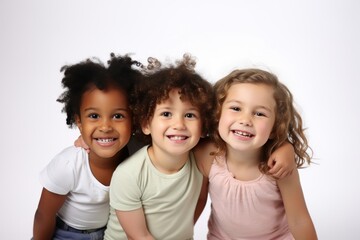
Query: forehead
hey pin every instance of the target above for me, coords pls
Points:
(111, 97)
(251, 93)
(176, 98)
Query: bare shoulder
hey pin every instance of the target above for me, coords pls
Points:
(203, 155)
(205, 146)
(290, 185)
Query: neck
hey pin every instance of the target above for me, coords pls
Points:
(167, 163)
(108, 163)
(244, 165)
(103, 168)
(243, 158)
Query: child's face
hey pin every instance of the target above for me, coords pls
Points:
(175, 127)
(247, 116)
(105, 121)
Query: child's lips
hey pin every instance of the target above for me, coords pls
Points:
(243, 133)
(105, 141)
(177, 137)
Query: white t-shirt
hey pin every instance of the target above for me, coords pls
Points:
(87, 203)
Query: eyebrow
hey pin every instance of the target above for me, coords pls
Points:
(97, 109)
(257, 106)
(172, 108)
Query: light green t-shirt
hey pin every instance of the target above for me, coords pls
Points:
(168, 200)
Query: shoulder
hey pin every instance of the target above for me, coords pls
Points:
(133, 164)
(293, 198)
(138, 157)
(67, 162)
(60, 174)
(71, 152)
(204, 155)
(290, 182)
(133, 171)
(205, 144)
(70, 156)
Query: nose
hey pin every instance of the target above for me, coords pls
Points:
(179, 123)
(245, 119)
(106, 126)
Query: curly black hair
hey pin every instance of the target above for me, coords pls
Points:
(155, 88)
(80, 77)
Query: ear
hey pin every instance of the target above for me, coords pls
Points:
(78, 122)
(145, 128)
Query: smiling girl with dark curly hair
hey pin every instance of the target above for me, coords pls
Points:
(74, 202)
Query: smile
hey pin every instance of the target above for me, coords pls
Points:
(243, 134)
(105, 140)
(177, 138)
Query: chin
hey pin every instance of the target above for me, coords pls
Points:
(106, 154)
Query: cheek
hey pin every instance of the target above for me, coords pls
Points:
(266, 128)
(156, 125)
(128, 127)
(198, 127)
(223, 126)
(224, 121)
(85, 128)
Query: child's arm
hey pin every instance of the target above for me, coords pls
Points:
(300, 223)
(282, 161)
(204, 159)
(203, 156)
(45, 215)
(202, 199)
(134, 224)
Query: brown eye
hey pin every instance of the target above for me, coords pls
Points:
(93, 116)
(259, 114)
(119, 116)
(166, 114)
(190, 115)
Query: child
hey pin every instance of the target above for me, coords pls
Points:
(256, 115)
(154, 193)
(159, 192)
(74, 202)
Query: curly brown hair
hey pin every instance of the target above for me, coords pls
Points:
(155, 89)
(288, 124)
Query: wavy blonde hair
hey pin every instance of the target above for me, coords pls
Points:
(288, 124)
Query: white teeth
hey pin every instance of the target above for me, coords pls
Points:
(243, 133)
(105, 140)
(177, 138)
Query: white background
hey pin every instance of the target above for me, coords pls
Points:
(313, 46)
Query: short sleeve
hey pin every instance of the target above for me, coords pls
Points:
(125, 193)
(58, 176)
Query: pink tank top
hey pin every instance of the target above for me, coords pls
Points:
(245, 209)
